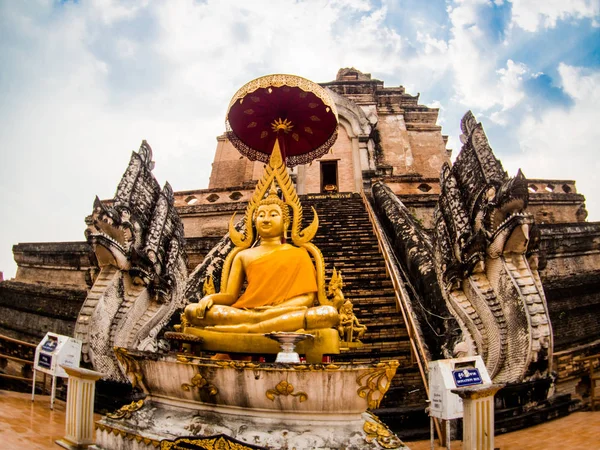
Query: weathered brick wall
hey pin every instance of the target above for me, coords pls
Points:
(574, 312)
(198, 248)
(428, 151)
(55, 263)
(197, 197)
(550, 211)
(570, 273)
(228, 169)
(395, 145)
(209, 220)
(555, 201)
(573, 374)
(422, 208)
(28, 311)
(410, 186)
(50, 286)
(342, 153)
(419, 195)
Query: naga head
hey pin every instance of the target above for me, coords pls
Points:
(111, 234)
(501, 216)
(138, 231)
(481, 211)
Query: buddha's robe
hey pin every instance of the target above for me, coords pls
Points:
(278, 276)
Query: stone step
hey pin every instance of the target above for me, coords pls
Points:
(354, 268)
(373, 316)
(346, 255)
(374, 297)
(348, 243)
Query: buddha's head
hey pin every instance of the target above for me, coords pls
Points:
(272, 217)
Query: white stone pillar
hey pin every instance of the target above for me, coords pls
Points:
(478, 416)
(79, 417)
(301, 180)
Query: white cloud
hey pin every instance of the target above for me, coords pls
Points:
(509, 90)
(432, 45)
(470, 51)
(110, 11)
(562, 143)
(83, 83)
(479, 83)
(531, 15)
(510, 83)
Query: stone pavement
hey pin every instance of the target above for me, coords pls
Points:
(26, 425)
(577, 431)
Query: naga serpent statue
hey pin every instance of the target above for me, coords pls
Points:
(138, 242)
(476, 284)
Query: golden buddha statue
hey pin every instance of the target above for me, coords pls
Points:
(285, 282)
(282, 285)
(285, 287)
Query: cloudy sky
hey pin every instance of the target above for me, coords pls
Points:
(83, 82)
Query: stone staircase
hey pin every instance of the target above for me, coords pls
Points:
(348, 243)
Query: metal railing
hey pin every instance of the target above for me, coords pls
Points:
(402, 299)
(22, 361)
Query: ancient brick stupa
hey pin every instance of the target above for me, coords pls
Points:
(464, 246)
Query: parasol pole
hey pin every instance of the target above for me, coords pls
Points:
(282, 127)
(282, 147)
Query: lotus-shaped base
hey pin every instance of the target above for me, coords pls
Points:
(259, 405)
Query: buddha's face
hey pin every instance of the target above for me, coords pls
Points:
(269, 221)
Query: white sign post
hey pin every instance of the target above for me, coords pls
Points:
(54, 351)
(478, 422)
(446, 375)
(79, 423)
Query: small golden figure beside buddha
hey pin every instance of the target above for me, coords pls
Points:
(282, 286)
(349, 327)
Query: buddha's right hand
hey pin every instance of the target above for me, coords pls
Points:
(203, 306)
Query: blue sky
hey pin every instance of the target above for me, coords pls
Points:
(82, 83)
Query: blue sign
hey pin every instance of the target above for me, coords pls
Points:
(50, 344)
(466, 377)
(45, 361)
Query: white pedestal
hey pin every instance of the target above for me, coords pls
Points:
(79, 420)
(478, 416)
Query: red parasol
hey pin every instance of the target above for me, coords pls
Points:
(294, 110)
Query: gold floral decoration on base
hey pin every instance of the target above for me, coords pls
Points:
(378, 431)
(201, 383)
(375, 383)
(126, 410)
(235, 364)
(132, 368)
(285, 388)
(220, 442)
